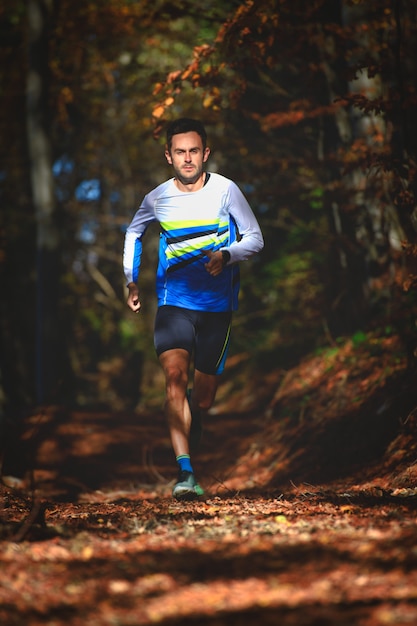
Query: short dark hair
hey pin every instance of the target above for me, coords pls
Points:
(186, 125)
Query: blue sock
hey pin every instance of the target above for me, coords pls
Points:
(184, 462)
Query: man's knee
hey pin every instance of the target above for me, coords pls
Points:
(176, 376)
(206, 403)
(175, 365)
(204, 391)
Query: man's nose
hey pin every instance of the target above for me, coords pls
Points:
(188, 156)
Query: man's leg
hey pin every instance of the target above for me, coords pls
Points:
(201, 398)
(174, 342)
(211, 346)
(175, 364)
(204, 390)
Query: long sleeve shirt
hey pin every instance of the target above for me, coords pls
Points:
(216, 217)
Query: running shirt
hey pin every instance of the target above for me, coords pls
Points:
(216, 217)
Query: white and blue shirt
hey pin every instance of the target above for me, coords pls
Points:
(216, 217)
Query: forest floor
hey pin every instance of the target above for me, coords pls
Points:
(309, 516)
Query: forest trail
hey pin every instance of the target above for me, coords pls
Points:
(304, 522)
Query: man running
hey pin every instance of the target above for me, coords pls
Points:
(206, 228)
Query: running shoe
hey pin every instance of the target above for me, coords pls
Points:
(186, 488)
(196, 429)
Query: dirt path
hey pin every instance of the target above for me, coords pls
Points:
(299, 560)
(102, 543)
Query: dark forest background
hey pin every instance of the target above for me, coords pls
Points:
(309, 106)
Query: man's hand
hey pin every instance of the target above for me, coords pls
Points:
(133, 301)
(215, 264)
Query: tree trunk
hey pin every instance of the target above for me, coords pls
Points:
(48, 336)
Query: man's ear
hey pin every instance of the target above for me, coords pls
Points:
(206, 154)
(168, 155)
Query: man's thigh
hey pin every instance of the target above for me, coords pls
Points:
(205, 334)
(212, 342)
(174, 328)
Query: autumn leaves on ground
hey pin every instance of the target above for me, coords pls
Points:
(309, 516)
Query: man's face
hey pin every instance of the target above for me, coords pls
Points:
(187, 157)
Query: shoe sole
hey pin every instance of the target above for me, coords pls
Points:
(186, 496)
(187, 493)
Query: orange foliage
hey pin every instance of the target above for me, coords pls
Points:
(292, 117)
(158, 111)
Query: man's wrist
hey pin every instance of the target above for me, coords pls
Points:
(226, 256)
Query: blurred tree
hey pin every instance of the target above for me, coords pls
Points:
(17, 228)
(48, 264)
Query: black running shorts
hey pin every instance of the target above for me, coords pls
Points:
(202, 333)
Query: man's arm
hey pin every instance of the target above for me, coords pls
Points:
(251, 240)
(132, 252)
